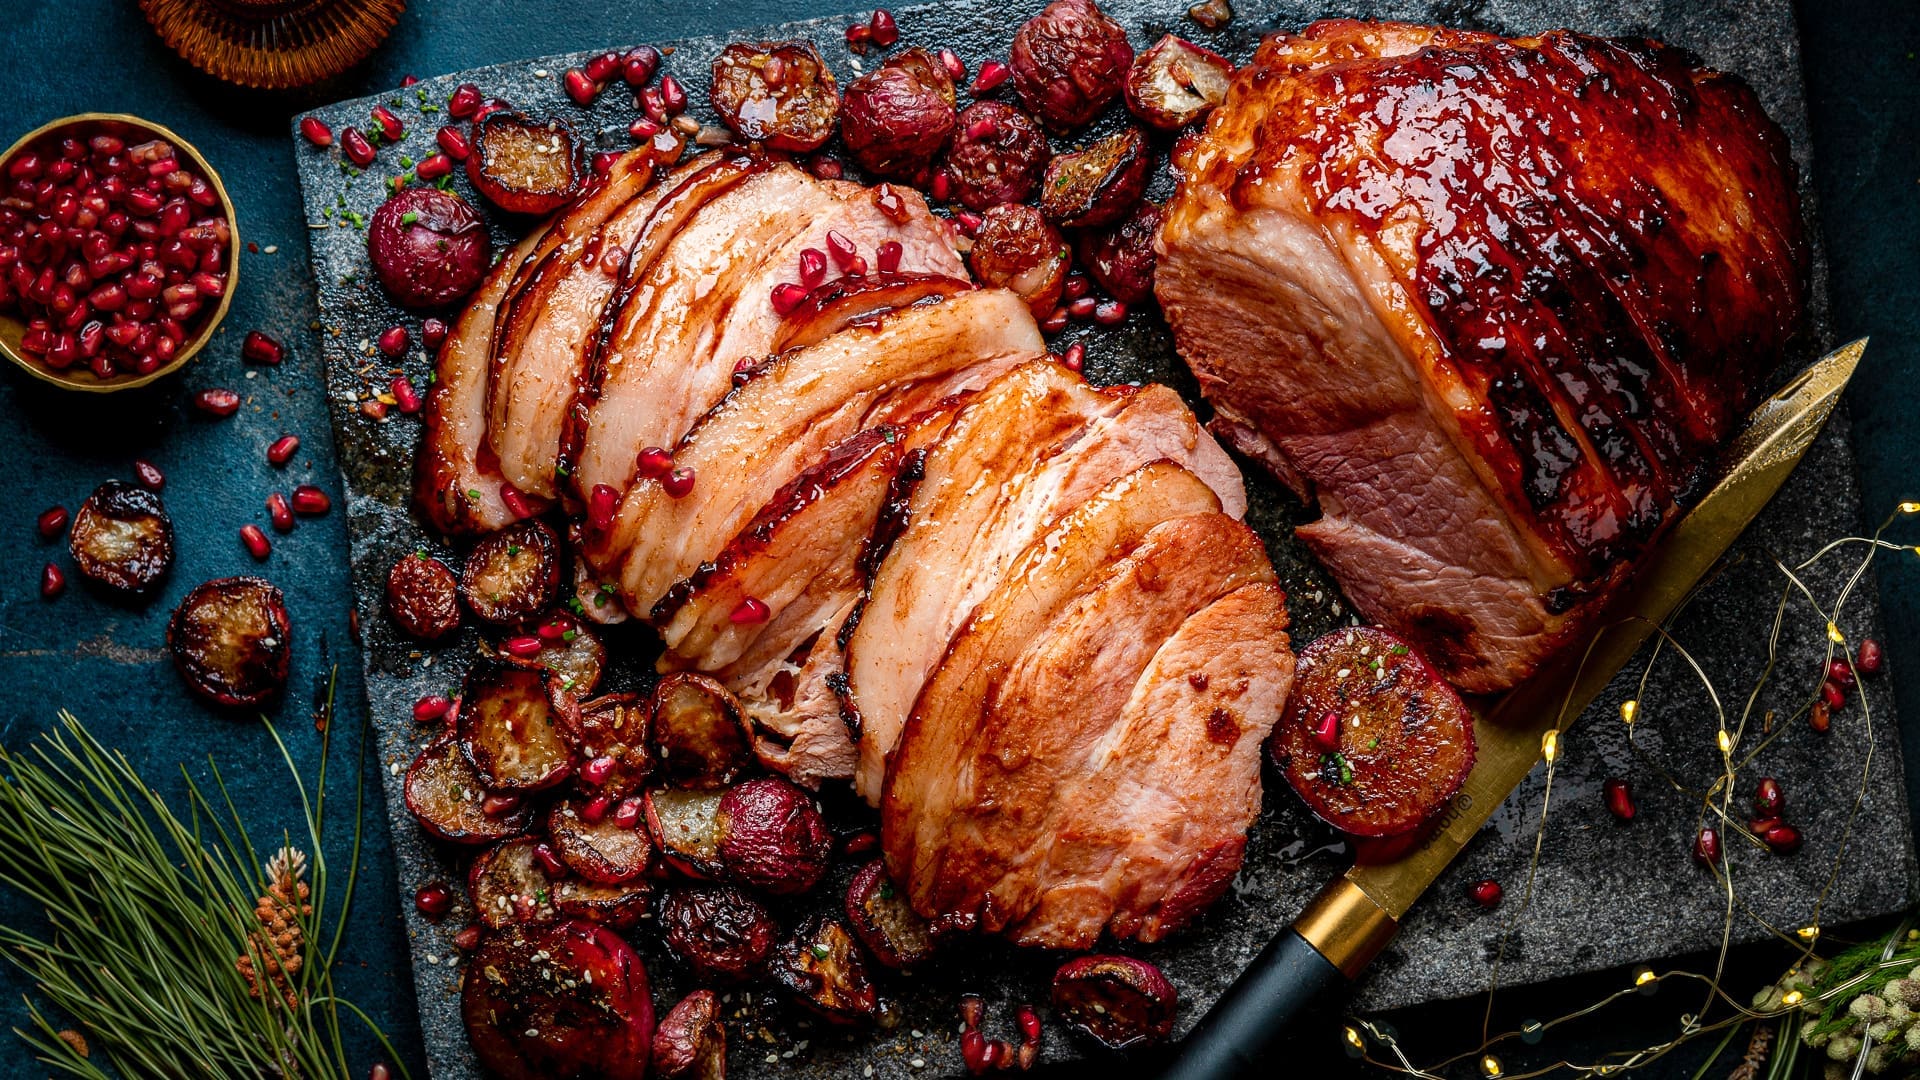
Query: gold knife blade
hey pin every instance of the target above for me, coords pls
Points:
(1355, 916)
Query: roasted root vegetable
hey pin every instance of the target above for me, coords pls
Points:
(618, 906)
(1068, 62)
(1373, 739)
(1176, 82)
(883, 920)
(510, 723)
(428, 247)
(772, 837)
(821, 967)
(449, 798)
(611, 754)
(423, 597)
(700, 733)
(524, 166)
(777, 93)
(514, 574)
(1120, 257)
(1016, 249)
(509, 885)
(898, 117)
(685, 826)
(122, 537)
(1098, 185)
(568, 648)
(593, 844)
(1118, 1001)
(724, 935)
(230, 641)
(565, 999)
(691, 1042)
(997, 156)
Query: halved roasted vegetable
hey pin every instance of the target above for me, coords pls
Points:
(450, 799)
(509, 884)
(1117, 1000)
(618, 906)
(1176, 82)
(423, 597)
(122, 537)
(691, 1042)
(1016, 249)
(598, 850)
(568, 648)
(231, 641)
(1099, 185)
(563, 1000)
(700, 733)
(722, 933)
(513, 574)
(883, 920)
(773, 837)
(777, 93)
(685, 826)
(524, 166)
(510, 725)
(611, 753)
(820, 965)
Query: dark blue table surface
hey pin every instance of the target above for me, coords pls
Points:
(105, 662)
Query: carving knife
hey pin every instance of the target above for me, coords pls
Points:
(1353, 918)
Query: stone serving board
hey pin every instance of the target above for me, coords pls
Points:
(1605, 895)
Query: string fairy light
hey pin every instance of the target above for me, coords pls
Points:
(1628, 710)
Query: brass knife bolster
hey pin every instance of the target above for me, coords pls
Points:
(1346, 926)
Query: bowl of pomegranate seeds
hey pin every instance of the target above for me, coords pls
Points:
(118, 252)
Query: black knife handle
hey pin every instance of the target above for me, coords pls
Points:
(1260, 1013)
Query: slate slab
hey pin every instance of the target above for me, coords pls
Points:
(1604, 895)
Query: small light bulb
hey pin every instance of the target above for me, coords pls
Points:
(1809, 932)
(1791, 997)
(1644, 976)
(1910, 507)
(1490, 1067)
(1726, 741)
(1629, 709)
(1353, 1038)
(1550, 744)
(1834, 635)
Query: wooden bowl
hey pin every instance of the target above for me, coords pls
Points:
(134, 130)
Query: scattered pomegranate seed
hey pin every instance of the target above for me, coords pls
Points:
(256, 541)
(1055, 322)
(941, 186)
(432, 333)
(857, 267)
(433, 168)
(52, 522)
(968, 221)
(825, 167)
(555, 629)
(393, 341)
(601, 503)
(408, 80)
(148, 474)
(813, 267)
(649, 102)
(1768, 799)
(258, 348)
(1783, 839)
(1109, 313)
(884, 30)
(1835, 697)
(603, 162)
(858, 35)
(516, 502)
(1706, 846)
(357, 148)
(887, 256)
(749, 611)
(1619, 798)
(310, 501)
(282, 449)
(468, 939)
(499, 805)
(523, 647)
(1082, 309)
(1327, 731)
(956, 68)
(52, 582)
(627, 814)
(1840, 673)
(433, 900)
(603, 67)
(596, 771)
(217, 402)
(638, 66)
(380, 1071)
(390, 127)
(1820, 718)
(595, 809)
(976, 1053)
(890, 203)
(430, 708)
(643, 129)
(1869, 658)
(654, 462)
(787, 296)
(842, 249)
(405, 397)
(278, 510)
(860, 843)
(673, 96)
(464, 101)
(580, 87)
(679, 482)
(1075, 358)
(549, 860)
(316, 131)
(1486, 893)
(985, 127)
(993, 74)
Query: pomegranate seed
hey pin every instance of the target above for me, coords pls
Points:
(453, 142)
(555, 629)
(603, 67)
(749, 611)
(603, 162)
(355, 145)
(887, 256)
(993, 74)
(390, 127)
(430, 708)
(643, 129)
(148, 474)
(282, 449)
(53, 582)
(434, 900)
(1835, 697)
(258, 348)
(679, 482)
(1768, 799)
(216, 401)
(393, 342)
(1109, 313)
(941, 186)
(279, 511)
(601, 503)
(1820, 718)
(256, 541)
(968, 221)
(52, 522)
(596, 771)
(468, 939)
(975, 1052)
(885, 31)
(433, 168)
(1761, 826)
(627, 814)
(649, 102)
(787, 296)
(596, 809)
(1783, 839)
(956, 68)
(1486, 893)
(374, 409)
(860, 843)
(813, 266)
(464, 101)
(549, 860)
(581, 88)
(316, 131)
(1075, 358)
(408, 80)
(654, 462)
(1054, 322)
(825, 168)
(638, 66)
(1327, 731)
(858, 35)
(432, 333)
(516, 503)
(1619, 797)
(888, 202)
(310, 501)
(1029, 1024)
(1706, 846)
(524, 647)
(1082, 309)
(1840, 673)
(500, 805)
(673, 96)
(841, 248)
(404, 395)
(1870, 657)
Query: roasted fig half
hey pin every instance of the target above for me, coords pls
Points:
(1099, 185)
(450, 800)
(883, 920)
(685, 826)
(724, 935)
(1118, 1001)
(777, 93)
(700, 733)
(691, 1042)
(568, 648)
(611, 754)
(1372, 739)
(997, 156)
(593, 844)
(122, 537)
(231, 641)
(429, 248)
(1121, 257)
(820, 965)
(522, 165)
(1068, 62)
(508, 884)
(618, 906)
(561, 1000)
(423, 597)
(513, 574)
(1176, 82)
(1016, 249)
(898, 117)
(510, 724)
(772, 837)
